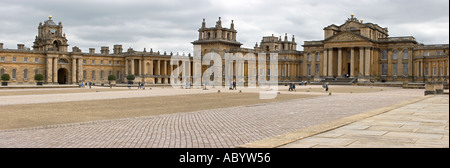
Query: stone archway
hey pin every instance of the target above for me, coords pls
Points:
(62, 76)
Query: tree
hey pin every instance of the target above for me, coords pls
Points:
(112, 78)
(38, 77)
(130, 77)
(5, 77)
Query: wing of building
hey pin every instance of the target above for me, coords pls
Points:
(355, 50)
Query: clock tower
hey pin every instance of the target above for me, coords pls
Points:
(50, 37)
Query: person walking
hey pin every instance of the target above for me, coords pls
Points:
(326, 87)
(234, 85)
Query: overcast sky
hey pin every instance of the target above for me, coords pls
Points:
(171, 25)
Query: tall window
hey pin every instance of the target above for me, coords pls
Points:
(93, 75)
(25, 74)
(2, 71)
(317, 69)
(14, 74)
(384, 68)
(25, 59)
(14, 59)
(309, 69)
(442, 71)
(394, 55)
(434, 71)
(309, 57)
(405, 69)
(425, 71)
(384, 55)
(118, 75)
(394, 69)
(101, 75)
(101, 62)
(2, 59)
(317, 57)
(36, 71)
(427, 54)
(405, 54)
(84, 75)
(93, 62)
(36, 60)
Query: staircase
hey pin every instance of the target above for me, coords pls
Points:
(339, 80)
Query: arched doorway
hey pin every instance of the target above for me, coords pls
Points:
(62, 76)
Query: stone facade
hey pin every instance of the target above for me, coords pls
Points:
(361, 50)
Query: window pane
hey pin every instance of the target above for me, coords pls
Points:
(405, 54)
(394, 56)
(394, 69)
(384, 69)
(405, 69)
(384, 54)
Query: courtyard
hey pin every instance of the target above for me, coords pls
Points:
(166, 117)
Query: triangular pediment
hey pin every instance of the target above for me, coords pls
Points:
(346, 37)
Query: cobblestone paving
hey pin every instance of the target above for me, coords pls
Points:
(216, 128)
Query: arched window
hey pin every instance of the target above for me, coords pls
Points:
(394, 55)
(384, 55)
(56, 45)
(62, 61)
(405, 54)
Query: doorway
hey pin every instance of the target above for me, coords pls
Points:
(62, 76)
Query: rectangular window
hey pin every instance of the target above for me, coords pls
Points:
(118, 62)
(384, 67)
(110, 62)
(25, 74)
(118, 75)
(309, 57)
(84, 61)
(426, 54)
(14, 59)
(384, 55)
(84, 75)
(101, 62)
(438, 53)
(36, 72)
(93, 62)
(36, 60)
(425, 71)
(101, 75)
(442, 71)
(434, 71)
(14, 74)
(2, 59)
(317, 57)
(25, 59)
(405, 69)
(309, 69)
(317, 69)
(394, 69)
(93, 75)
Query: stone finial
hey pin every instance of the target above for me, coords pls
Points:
(232, 25)
(50, 17)
(203, 23)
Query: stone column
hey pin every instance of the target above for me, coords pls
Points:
(352, 62)
(330, 62)
(126, 67)
(361, 61)
(325, 62)
(49, 70)
(55, 70)
(367, 62)
(339, 67)
(80, 69)
(140, 67)
(151, 67)
(132, 67)
(145, 70)
(165, 72)
(74, 70)
(158, 67)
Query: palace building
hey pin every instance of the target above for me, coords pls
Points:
(356, 50)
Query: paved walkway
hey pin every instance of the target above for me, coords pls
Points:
(224, 127)
(423, 124)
